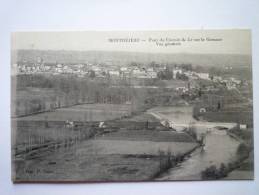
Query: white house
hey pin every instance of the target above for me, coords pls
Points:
(123, 69)
(217, 78)
(114, 72)
(150, 69)
(96, 68)
(203, 75)
(59, 65)
(136, 72)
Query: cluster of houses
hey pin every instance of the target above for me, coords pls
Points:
(110, 70)
(100, 70)
(82, 70)
(230, 83)
(34, 68)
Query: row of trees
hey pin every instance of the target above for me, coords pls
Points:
(167, 160)
(65, 91)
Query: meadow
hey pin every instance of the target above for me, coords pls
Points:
(84, 112)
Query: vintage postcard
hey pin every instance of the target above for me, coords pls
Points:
(100, 106)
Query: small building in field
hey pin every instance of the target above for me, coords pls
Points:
(203, 76)
(114, 73)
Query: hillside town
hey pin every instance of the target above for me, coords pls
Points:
(139, 71)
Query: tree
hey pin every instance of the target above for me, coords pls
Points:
(210, 173)
(153, 64)
(200, 92)
(242, 149)
(168, 74)
(133, 64)
(223, 170)
(187, 67)
(165, 75)
(178, 75)
(160, 75)
(219, 106)
(92, 74)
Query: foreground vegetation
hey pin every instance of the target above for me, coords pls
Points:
(123, 149)
(243, 161)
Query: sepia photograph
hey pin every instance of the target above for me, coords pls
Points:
(120, 106)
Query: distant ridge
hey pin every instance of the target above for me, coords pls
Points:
(124, 58)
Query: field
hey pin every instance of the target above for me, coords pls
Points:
(175, 83)
(85, 112)
(38, 132)
(139, 142)
(148, 135)
(117, 156)
(235, 116)
(124, 147)
(143, 117)
(68, 166)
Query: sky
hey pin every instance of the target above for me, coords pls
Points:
(177, 41)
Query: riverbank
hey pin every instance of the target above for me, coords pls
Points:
(219, 147)
(242, 163)
(173, 161)
(244, 169)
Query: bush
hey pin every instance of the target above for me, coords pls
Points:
(212, 172)
(243, 150)
(223, 170)
(166, 160)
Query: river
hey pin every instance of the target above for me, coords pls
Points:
(219, 147)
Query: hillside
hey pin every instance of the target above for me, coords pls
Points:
(123, 58)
